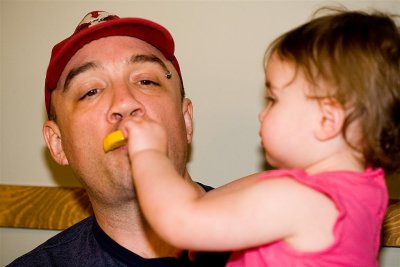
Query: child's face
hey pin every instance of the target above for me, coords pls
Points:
(289, 120)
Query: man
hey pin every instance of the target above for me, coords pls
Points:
(108, 69)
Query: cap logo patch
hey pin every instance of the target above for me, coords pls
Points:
(94, 18)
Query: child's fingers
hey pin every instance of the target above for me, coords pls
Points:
(143, 134)
(117, 138)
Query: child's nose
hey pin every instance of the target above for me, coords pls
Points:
(262, 115)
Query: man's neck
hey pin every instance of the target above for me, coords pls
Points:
(128, 228)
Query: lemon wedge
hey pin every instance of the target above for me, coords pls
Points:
(114, 140)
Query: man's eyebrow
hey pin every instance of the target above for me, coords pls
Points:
(148, 58)
(76, 71)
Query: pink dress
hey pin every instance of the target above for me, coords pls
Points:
(361, 199)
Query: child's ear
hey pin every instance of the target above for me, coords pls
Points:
(331, 119)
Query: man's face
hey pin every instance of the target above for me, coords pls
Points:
(106, 81)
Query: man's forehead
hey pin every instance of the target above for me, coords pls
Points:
(112, 49)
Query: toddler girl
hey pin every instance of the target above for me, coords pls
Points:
(331, 127)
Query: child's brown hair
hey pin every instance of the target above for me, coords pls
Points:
(359, 54)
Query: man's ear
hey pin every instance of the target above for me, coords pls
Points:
(187, 110)
(331, 119)
(52, 136)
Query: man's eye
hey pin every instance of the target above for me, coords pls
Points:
(89, 93)
(147, 82)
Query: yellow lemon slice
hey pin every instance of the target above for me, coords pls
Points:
(114, 140)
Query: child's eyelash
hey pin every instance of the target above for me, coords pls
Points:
(270, 99)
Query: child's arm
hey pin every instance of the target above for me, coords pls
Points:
(245, 213)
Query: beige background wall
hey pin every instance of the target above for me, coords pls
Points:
(220, 45)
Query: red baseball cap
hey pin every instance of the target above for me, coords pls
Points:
(99, 24)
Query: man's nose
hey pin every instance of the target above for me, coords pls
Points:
(124, 103)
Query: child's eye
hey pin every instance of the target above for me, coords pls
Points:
(270, 100)
(89, 93)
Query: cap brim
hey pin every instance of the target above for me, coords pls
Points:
(148, 31)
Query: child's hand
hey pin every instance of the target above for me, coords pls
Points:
(144, 134)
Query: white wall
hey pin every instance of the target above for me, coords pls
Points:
(220, 45)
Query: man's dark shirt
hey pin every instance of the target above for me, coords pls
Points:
(86, 244)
